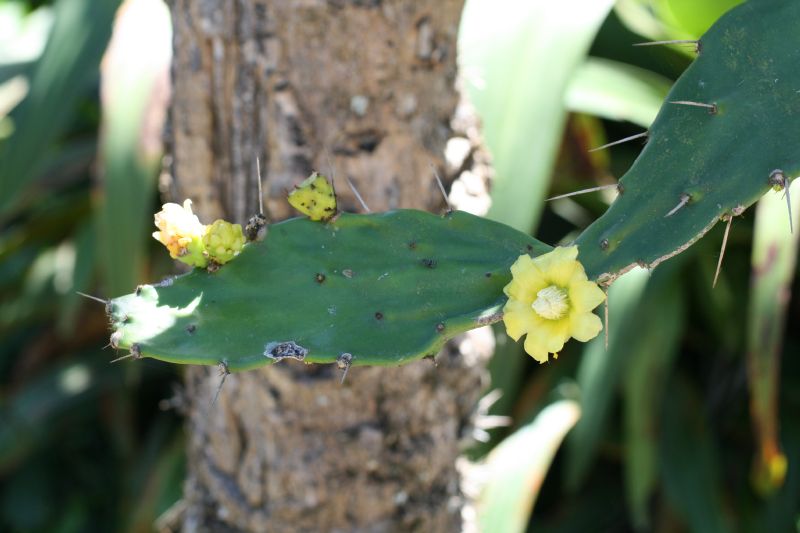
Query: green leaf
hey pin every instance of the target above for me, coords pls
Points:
(516, 468)
(517, 59)
(61, 76)
(600, 371)
(689, 462)
(133, 88)
(653, 354)
(773, 263)
(616, 91)
(672, 19)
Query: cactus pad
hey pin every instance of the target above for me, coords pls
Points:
(376, 289)
(704, 163)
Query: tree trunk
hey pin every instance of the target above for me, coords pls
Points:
(361, 89)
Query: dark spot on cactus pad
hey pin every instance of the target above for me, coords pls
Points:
(440, 327)
(347, 273)
(488, 274)
(620, 188)
(191, 328)
(412, 245)
(278, 351)
(430, 263)
(604, 244)
(319, 278)
(529, 248)
(136, 350)
(378, 315)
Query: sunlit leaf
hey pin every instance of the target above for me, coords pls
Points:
(517, 59)
(60, 77)
(616, 91)
(516, 468)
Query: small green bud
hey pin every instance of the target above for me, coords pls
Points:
(223, 241)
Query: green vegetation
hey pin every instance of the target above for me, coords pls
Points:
(684, 421)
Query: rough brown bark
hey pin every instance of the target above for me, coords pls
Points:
(364, 88)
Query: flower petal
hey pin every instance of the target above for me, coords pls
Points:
(559, 254)
(585, 296)
(526, 280)
(548, 336)
(518, 318)
(585, 326)
(535, 348)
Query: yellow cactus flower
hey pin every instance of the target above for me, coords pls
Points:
(223, 241)
(182, 233)
(550, 299)
(314, 197)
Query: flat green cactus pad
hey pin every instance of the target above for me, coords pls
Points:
(384, 288)
(703, 163)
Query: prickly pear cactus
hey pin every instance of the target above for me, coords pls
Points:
(393, 287)
(363, 289)
(729, 123)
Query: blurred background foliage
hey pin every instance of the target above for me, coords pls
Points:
(84, 445)
(680, 424)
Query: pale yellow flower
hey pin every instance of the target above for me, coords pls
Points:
(182, 233)
(550, 299)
